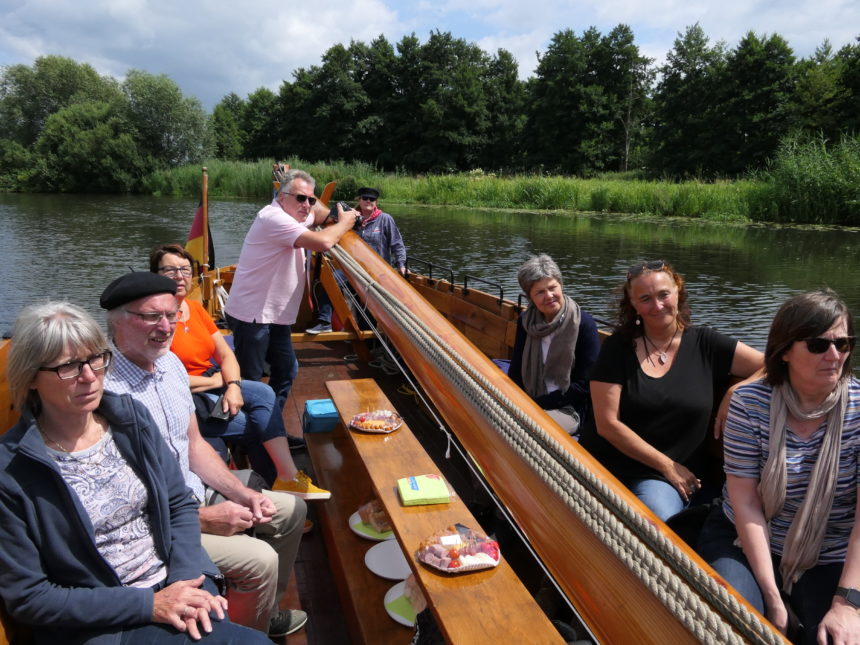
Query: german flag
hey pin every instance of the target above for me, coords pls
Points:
(199, 243)
(196, 243)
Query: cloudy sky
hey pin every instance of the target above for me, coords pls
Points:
(220, 46)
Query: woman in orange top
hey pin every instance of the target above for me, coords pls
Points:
(247, 410)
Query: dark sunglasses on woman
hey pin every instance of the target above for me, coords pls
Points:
(821, 345)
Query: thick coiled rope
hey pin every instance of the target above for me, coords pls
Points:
(677, 581)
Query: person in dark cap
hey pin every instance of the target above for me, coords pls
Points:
(142, 317)
(132, 286)
(379, 230)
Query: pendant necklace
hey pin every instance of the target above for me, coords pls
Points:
(662, 356)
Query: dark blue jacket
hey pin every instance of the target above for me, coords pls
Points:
(52, 577)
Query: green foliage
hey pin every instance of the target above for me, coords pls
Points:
(171, 129)
(587, 102)
(811, 182)
(64, 127)
(227, 134)
(686, 101)
(88, 147)
(29, 95)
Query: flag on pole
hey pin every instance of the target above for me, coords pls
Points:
(199, 243)
(196, 244)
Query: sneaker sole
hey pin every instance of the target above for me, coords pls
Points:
(291, 631)
(309, 495)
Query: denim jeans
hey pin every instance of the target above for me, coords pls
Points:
(324, 307)
(810, 596)
(257, 344)
(660, 496)
(259, 420)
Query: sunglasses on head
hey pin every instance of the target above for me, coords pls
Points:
(821, 345)
(301, 199)
(641, 267)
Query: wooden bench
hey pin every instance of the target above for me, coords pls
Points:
(339, 468)
(484, 606)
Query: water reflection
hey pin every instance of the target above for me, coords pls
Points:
(72, 246)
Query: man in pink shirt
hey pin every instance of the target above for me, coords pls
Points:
(270, 276)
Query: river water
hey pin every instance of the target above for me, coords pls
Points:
(72, 246)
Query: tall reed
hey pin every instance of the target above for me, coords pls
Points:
(790, 191)
(811, 181)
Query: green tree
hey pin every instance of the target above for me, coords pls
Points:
(171, 129)
(757, 87)
(819, 94)
(88, 147)
(261, 122)
(29, 95)
(587, 101)
(506, 99)
(226, 129)
(686, 106)
(848, 58)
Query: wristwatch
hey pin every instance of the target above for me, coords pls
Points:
(236, 382)
(850, 594)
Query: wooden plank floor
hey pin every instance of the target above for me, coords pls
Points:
(312, 588)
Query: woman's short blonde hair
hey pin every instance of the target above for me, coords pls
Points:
(42, 333)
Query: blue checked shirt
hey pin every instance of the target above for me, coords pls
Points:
(166, 395)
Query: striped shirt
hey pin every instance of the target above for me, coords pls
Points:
(166, 395)
(746, 451)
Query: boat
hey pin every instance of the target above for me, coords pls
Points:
(628, 577)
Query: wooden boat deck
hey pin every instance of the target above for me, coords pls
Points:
(314, 589)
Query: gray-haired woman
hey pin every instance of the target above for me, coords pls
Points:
(99, 536)
(556, 344)
(792, 455)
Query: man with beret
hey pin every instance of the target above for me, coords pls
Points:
(270, 277)
(381, 234)
(142, 315)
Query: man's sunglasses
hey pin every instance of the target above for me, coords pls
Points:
(301, 199)
(821, 345)
(368, 198)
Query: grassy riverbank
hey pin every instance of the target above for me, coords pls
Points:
(806, 183)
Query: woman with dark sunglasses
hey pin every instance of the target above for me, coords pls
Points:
(792, 441)
(652, 390)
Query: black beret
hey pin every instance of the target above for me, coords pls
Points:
(369, 192)
(132, 286)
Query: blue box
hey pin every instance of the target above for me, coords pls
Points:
(320, 416)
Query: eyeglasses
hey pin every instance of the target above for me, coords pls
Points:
(153, 317)
(639, 268)
(171, 271)
(73, 369)
(368, 198)
(821, 345)
(301, 199)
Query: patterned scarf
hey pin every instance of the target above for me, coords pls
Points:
(367, 220)
(803, 542)
(559, 358)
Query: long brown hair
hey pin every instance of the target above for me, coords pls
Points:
(627, 315)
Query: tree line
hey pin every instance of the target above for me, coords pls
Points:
(595, 104)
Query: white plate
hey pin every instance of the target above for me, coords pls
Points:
(358, 527)
(387, 561)
(393, 594)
